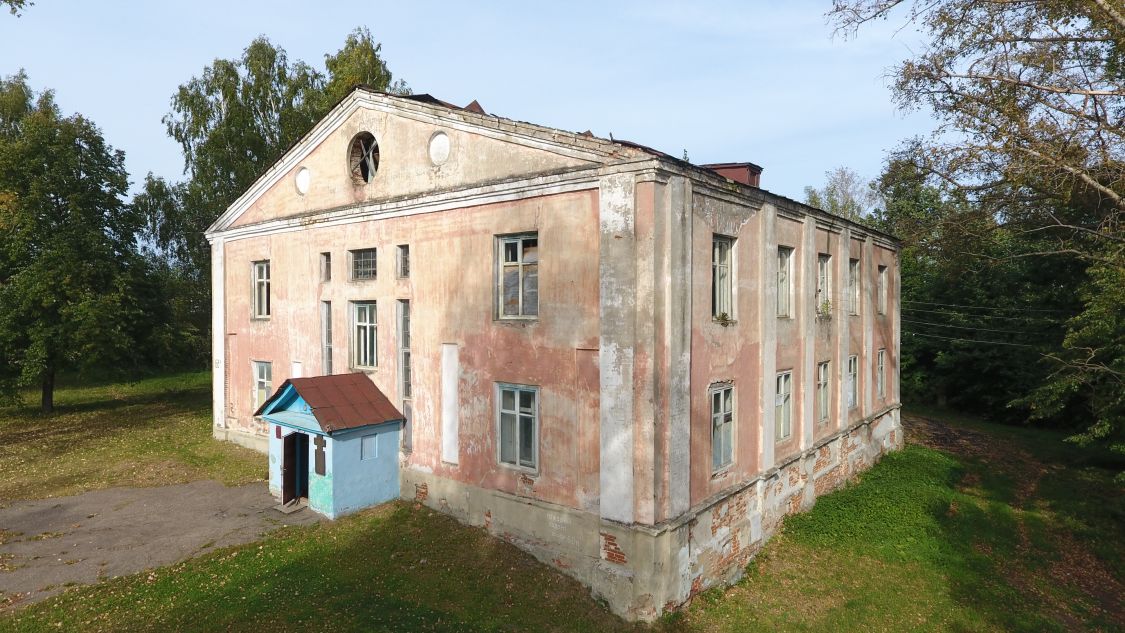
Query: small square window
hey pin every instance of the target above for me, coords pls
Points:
(362, 264)
(369, 447)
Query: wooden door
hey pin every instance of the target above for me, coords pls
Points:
(289, 468)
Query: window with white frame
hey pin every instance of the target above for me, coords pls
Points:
(721, 284)
(326, 337)
(853, 381)
(783, 406)
(853, 286)
(518, 413)
(364, 334)
(325, 267)
(362, 264)
(404, 376)
(824, 284)
(881, 291)
(784, 280)
(262, 289)
(402, 266)
(263, 382)
(518, 276)
(722, 426)
(880, 373)
(822, 372)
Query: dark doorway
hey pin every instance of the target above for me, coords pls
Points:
(295, 467)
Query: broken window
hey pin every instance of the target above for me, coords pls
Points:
(853, 381)
(824, 284)
(326, 266)
(263, 382)
(403, 260)
(721, 285)
(782, 406)
(880, 375)
(363, 264)
(784, 277)
(365, 328)
(262, 289)
(722, 426)
(519, 425)
(822, 400)
(881, 291)
(363, 158)
(853, 286)
(518, 277)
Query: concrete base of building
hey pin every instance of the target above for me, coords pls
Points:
(643, 571)
(255, 441)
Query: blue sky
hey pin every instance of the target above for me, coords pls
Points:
(758, 81)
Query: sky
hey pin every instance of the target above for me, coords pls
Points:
(764, 82)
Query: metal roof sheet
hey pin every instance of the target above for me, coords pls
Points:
(341, 401)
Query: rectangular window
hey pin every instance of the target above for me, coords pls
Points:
(518, 276)
(721, 286)
(263, 382)
(881, 291)
(404, 348)
(325, 267)
(722, 427)
(365, 328)
(369, 447)
(403, 265)
(262, 289)
(784, 280)
(782, 407)
(822, 400)
(853, 286)
(824, 284)
(518, 412)
(363, 264)
(326, 337)
(853, 381)
(880, 373)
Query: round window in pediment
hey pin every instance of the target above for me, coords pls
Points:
(363, 158)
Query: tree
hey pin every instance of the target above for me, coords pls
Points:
(844, 193)
(15, 6)
(66, 259)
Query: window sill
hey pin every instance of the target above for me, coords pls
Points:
(361, 280)
(523, 470)
(722, 472)
(260, 318)
(726, 323)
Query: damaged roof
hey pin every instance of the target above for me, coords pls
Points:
(340, 402)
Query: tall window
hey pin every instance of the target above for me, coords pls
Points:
(404, 348)
(722, 426)
(823, 284)
(882, 290)
(880, 373)
(518, 277)
(721, 286)
(783, 407)
(853, 286)
(326, 337)
(822, 391)
(784, 280)
(365, 327)
(263, 382)
(403, 264)
(362, 264)
(262, 289)
(326, 267)
(519, 425)
(853, 381)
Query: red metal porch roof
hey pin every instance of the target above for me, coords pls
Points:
(341, 401)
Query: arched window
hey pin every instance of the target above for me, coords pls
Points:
(363, 158)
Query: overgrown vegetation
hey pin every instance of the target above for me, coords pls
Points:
(152, 432)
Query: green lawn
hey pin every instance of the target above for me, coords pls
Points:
(972, 527)
(151, 432)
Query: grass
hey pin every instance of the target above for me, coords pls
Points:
(972, 527)
(151, 432)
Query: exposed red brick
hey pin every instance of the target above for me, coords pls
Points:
(488, 520)
(421, 492)
(610, 549)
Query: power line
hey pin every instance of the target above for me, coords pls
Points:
(993, 308)
(968, 340)
(969, 327)
(975, 316)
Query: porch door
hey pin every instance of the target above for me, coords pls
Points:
(289, 468)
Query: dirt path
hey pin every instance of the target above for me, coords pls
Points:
(50, 544)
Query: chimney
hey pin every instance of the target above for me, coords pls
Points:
(745, 173)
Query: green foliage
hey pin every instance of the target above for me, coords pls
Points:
(845, 194)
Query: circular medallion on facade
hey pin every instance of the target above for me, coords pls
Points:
(439, 148)
(301, 180)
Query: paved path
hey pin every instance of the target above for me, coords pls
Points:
(49, 544)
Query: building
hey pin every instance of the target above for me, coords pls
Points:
(630, 366)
